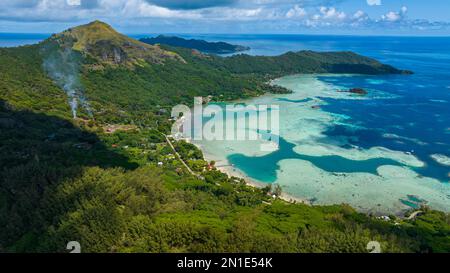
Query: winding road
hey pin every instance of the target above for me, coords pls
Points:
(181, 159)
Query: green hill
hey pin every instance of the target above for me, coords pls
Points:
(309, 62)
(118, 79)
(101, 42)
(97, 179)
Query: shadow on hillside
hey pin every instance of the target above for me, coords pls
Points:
(37, 153)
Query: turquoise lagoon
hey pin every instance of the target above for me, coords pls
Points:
(327, 154)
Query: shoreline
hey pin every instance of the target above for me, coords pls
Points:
(256, 184)
(231, 171)
(368, 207)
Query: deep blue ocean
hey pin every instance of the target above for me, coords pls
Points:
(417, 121)
(20, 39)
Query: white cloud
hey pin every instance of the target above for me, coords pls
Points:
(331, 13)
(74, 2)
(404, 9)
(391, 16)
(374, 2)
(395, 16)
(243, 16)
(140, 9)
(360, 16)
(296, 12)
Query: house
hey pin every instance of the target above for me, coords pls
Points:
(384, 218)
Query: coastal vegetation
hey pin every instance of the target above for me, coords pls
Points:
(112, 182)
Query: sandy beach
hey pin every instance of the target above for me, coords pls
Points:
(233, 172)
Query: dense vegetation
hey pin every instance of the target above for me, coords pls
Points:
(307, 62)
(115, 185)
(200, 45)
(61, 183)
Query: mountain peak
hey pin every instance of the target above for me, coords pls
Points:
(98, 22)
(98, 26)
(102, 42)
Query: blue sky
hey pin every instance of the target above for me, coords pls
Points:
(362, 17)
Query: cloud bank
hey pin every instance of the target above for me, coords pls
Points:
(293, 16)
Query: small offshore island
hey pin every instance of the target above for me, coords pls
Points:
(200, 45)
(358, 91)
(85, 153)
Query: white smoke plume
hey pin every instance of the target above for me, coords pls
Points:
(63, 66)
